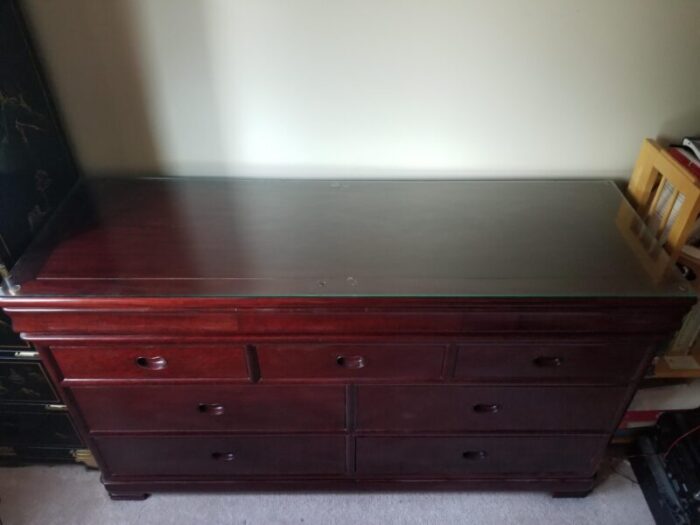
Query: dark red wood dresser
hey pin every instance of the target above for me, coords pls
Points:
(272, 335)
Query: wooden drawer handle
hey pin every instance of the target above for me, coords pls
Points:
(152, 363)
(547, 362)
(212, 409)
(475, 455)
(350, 361)
(223, 456)
(487, 409)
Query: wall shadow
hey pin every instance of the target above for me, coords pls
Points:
(129, 76)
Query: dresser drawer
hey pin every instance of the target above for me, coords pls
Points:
(478, 456)
(152, 362)
(348, 362)
(453, 408)
(222, 456)
(551, 362)
(248, 408)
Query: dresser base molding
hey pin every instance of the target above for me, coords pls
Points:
(581, 494)
(560, 488)
(128, 496)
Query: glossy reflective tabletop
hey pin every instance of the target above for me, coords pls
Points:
(299, 238)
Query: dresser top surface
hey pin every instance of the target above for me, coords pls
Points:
(192, 237)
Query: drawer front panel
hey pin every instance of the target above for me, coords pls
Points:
(477, 456)
(550, 362)
(348, 362)
(223, 456)
(218, 408)
(452, 408)
(24, 381)
(152, 362)
(37, 429)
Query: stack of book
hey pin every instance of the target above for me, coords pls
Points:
(688, 154)
(687, 340)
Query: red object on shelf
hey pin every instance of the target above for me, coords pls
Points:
(636, 418)
(686, 159)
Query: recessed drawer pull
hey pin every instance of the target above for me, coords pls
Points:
(487, 409)
(223, 456)
(547, 362)
(212, 409)
(475, 455)
(350, 361)
(152, 363)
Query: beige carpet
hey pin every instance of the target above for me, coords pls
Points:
(71, 495)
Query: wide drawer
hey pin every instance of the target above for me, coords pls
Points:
(351, 362)
(456, 408)
(561, 456)
(551, 362)
(222, 456)
(276, 408)
(152, 362)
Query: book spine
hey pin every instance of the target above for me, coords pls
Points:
(693, 145)
(685, 161)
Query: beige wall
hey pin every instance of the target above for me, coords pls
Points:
(371, 87)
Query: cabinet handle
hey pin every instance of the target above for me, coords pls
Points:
(223, 456)
(475, 455)
(487, 409)
(152, 363)
(350, 361)
(547, 362)
(212, 409)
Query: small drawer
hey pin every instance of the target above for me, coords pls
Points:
(464, 457)
(551, 362)
(452, 408)
(24, 381)
(27, 426)
(351, 362)
(195, 362)
(222, 456)
(250, 408)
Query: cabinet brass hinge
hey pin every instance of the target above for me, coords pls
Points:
(6, 285)
(84, 456)
(56, 408)
(26, 354)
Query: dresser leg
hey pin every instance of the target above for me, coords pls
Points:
(128, 496)
(572, 494)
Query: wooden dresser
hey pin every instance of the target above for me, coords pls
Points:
(280, 335)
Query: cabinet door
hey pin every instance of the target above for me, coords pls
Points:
(24, 381)
(29, 426)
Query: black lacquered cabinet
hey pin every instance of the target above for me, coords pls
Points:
(23, 379)
(36, 172)
(35, 426)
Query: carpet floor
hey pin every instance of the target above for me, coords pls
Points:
(71, 495)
